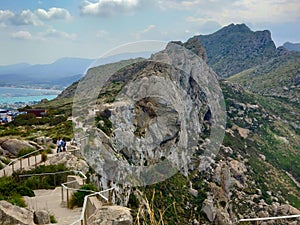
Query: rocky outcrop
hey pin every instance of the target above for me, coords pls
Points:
(41, 217)
(111, 215)
(70, 161)
(11, 214)
(14, 146)
(43, 140)
(235, 48)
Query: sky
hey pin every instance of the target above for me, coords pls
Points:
(39, 32)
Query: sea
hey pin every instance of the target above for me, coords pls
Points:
(11, 95)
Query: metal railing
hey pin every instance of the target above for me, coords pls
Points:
(19, 159)
(83, 220)
(268, 218)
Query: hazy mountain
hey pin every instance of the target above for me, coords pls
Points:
(235, 48)
(292, 46)
(12, 68)
(58, 74)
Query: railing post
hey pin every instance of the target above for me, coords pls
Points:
(28, 161)
(67, 197)
(4, 172)
(21, 163)
(13, 167)
(35, 160)
(62, 193)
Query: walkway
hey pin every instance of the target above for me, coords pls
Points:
(50, 201)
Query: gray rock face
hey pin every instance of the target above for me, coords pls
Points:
(70, 161)
(11, 214)
(41, 217)
(14, 146)
(157, 119)
(209, 210)
(111, 215)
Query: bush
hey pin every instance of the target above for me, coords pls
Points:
(25, 151)
(52, 219)
(77, 198)
(12, 191)
(44, 156)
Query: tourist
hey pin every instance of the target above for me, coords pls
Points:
(63, 145)
(58, 144)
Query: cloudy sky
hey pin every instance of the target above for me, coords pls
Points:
(43, 31)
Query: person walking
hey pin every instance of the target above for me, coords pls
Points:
(63, 145)
(58, 144)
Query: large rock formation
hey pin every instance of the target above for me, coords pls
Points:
(14, 146)
(162, 109)
(111, 215)
(11, 214)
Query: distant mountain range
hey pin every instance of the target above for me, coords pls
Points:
(59, 74)
(292, 46)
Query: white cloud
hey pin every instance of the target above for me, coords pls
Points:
(5, 14)
(22, 35)
(224, 12)
(53, 13)
(53, 33)
(26, 17)
(108, 7)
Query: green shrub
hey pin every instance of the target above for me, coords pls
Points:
(77, 198)
(44, 156)
(12, 190)
(52, 219)
(25, 151)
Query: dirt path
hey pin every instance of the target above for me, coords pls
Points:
(50, 201)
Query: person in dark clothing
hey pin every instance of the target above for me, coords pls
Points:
(63, 145)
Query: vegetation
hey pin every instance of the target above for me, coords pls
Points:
(12, 191)
(77, 199)
(165, 202)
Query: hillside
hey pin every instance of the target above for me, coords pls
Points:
(279, 77)
(235, 48)
(249, 177)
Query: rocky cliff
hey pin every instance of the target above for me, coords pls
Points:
(235, 48)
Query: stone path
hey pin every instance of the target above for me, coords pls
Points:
(50, 201)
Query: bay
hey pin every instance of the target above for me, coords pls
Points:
(10, 95)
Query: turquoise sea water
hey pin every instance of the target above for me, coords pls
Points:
(10, 95)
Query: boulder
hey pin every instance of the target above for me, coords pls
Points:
(14, 146)
(111, 215)
(209, 210)
(287, 209)
(41, 217)
(11, 214)
(70, 161)
(43, 140)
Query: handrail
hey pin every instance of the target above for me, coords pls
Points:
(13, 161)
(23, 156)
(81, 219)
(269, 218)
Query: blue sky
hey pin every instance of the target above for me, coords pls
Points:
(43, 31)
